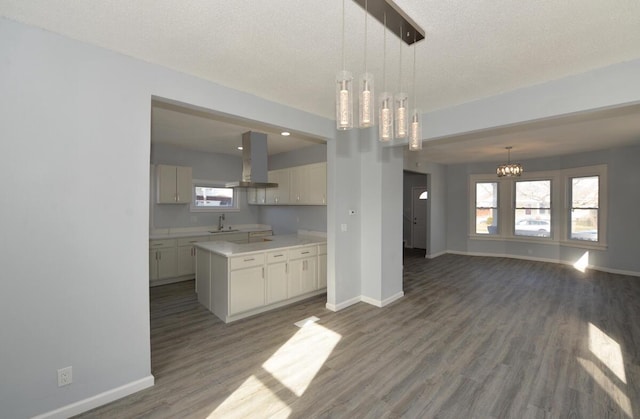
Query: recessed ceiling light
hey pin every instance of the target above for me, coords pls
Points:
(285, 133)
(239, 147)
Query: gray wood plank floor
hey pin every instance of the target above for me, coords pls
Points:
(473, 337)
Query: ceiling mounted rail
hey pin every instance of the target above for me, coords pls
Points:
(397, 19)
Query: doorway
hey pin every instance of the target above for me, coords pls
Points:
(415, 219)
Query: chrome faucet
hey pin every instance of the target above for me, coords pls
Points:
(220, 218)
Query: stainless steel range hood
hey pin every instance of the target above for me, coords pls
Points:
(254, 162)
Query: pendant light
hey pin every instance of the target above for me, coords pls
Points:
(509, 169)
(415, 128)
(367, 97)
(386, 99)
(400, 103)
(344, 91)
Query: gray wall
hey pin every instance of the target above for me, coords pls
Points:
(291, 218)
(206, 166)
(74, 289)
(623, 223)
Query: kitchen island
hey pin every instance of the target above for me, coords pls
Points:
(235, 281)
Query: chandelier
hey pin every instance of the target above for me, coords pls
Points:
(509, 169)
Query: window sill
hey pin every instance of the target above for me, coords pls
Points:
(214, 210)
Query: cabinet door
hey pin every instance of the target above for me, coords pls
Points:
(184, 185)
(167, 263)
(246, 289)
(299, 185)
(279, 195)
(294, 279)
(186, 260)
(276, 282)
(322, 271)
(317, 190)
(252, 197)
(166, 187)
(153, 265)
(309, 279)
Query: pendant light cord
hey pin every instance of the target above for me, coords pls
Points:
(415, 90)
(366, 12)
(384, 53)
(343, 19)
(400, 61)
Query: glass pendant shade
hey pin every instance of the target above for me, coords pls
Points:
(344, 100)
(367, 100)
(401, 113)
(415, 131)
(385, 123)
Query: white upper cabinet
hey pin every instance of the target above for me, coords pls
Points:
(279, 195)
(309, 184)
(174, 184)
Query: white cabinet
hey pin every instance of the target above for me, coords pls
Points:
(174, 184)
(303, 274)
(246, 283)
(277, 271)
(309, 184)
(279, 195)
(162, 259)
(322, 266)
(187, 255)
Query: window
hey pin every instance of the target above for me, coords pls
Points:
(213, 196)
(486, 208)
(533, 208)
(584, 209)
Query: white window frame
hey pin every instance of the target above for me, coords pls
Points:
(474, 197)
(560, 206)
(213, 184)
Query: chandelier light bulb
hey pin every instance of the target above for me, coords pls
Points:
(415, 132)
(344, 100)
(366, 101)
(386, 117)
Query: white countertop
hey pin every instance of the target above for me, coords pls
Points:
(276, 242)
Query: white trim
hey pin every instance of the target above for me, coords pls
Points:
(382, 303)
(344, 304)
(99, 399)
(435, 255)
(536, 259)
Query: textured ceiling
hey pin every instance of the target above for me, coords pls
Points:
(289, 51)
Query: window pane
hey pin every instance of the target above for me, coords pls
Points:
(487, 195)
(533, 194)
(584, 192)
(213, 197)
(584, 224)
(532, 222)
(486, 221)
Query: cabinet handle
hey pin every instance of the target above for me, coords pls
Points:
(250, 259)
(159, 255)
(263, 272)
(193, 241)
(277, 256)
(286, 268)
(304, 253)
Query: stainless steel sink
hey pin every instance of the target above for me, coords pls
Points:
(224, 231)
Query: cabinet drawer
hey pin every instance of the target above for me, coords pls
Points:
(162, 244)
(186, 241)
(241, 262)
(322, 249)
(303, 252)
(275, 257)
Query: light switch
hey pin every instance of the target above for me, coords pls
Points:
(343, 227)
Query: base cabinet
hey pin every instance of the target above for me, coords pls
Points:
(246, 289)
(276, 282)
(163, 259)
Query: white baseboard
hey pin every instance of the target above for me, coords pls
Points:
(435, 255)
(382, 303)
(537, 259)
(98, 400)
(344, 304)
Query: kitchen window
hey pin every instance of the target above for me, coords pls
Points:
(212, 196)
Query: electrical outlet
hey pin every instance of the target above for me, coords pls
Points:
(65, 376)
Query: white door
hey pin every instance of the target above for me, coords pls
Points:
(419, 196)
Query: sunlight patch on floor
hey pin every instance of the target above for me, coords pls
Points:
(607, 350)
(582, 263)
(251, 400)
(608, 386)
(297, 362)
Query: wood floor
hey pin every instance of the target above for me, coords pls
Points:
(473, 337)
